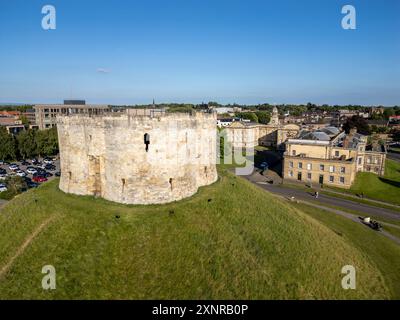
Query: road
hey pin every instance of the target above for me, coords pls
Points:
(393, 156)
(299, 194)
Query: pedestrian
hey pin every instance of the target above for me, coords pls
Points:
(316, 194)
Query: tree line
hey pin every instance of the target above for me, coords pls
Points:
(27, 144)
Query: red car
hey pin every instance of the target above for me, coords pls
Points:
(39, 179)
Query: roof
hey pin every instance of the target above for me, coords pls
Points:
(316, 135)
(330, 131)
(377, 122)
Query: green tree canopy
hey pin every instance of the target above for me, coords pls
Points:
(47, 142)
(7, 145)
(263, 117)
(27, 146)
(357, 122)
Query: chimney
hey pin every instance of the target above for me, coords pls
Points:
(349, 138)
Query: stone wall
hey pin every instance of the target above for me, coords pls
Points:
(106, 155)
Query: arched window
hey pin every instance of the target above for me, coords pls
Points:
(146, 141)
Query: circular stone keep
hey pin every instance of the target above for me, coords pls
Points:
(137, 157)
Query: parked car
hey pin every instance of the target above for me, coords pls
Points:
(32, 184)
(47, 161)
(24, 163)
(13, 167)
(264, 165)
(3, 187)
(31, 170)
(3, 176)
(3, 171)
(39, 179)
(51, 167)
(1, 162)
(20, 173)
(58, 174)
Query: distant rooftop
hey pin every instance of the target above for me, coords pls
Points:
(75, 102)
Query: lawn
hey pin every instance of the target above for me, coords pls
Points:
(384, 253)
(385, 188)
(231, 240)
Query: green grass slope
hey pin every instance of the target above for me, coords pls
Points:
(385, 188)
(382, 251)
(243, 244)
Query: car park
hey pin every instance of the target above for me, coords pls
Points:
(24, 163)
(3, 187)
(3, 171)
(3, 176)
(58, 174)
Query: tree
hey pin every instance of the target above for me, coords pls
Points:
(357, 122)
(27, 145)
(47, 142)
(388, 112)
(263, 117)
(24, 121)
(7, 145)
(396, 135)
(15, 185)
(248, 115)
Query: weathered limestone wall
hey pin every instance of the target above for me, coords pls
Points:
(106, 156)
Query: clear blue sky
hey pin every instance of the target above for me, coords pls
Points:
(288, 51)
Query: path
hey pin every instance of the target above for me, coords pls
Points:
(22, 248)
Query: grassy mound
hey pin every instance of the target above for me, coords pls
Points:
(230, 241)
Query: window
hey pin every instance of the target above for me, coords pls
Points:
(321, 167)
(300, 165)
(368, 160)
(359, 160)
(336, 153)
(309, 176)
(293, 152)
(290, 173)
(331, 169)
(309, 166)
(342, 170)
(290, 164)
(331, 179)
(341, 180)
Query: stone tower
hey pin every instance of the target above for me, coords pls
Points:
(274, 117)
(138, 156)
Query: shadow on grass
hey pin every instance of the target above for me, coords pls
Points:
(391, 182)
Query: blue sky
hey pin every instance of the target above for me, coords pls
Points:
(247, 51)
